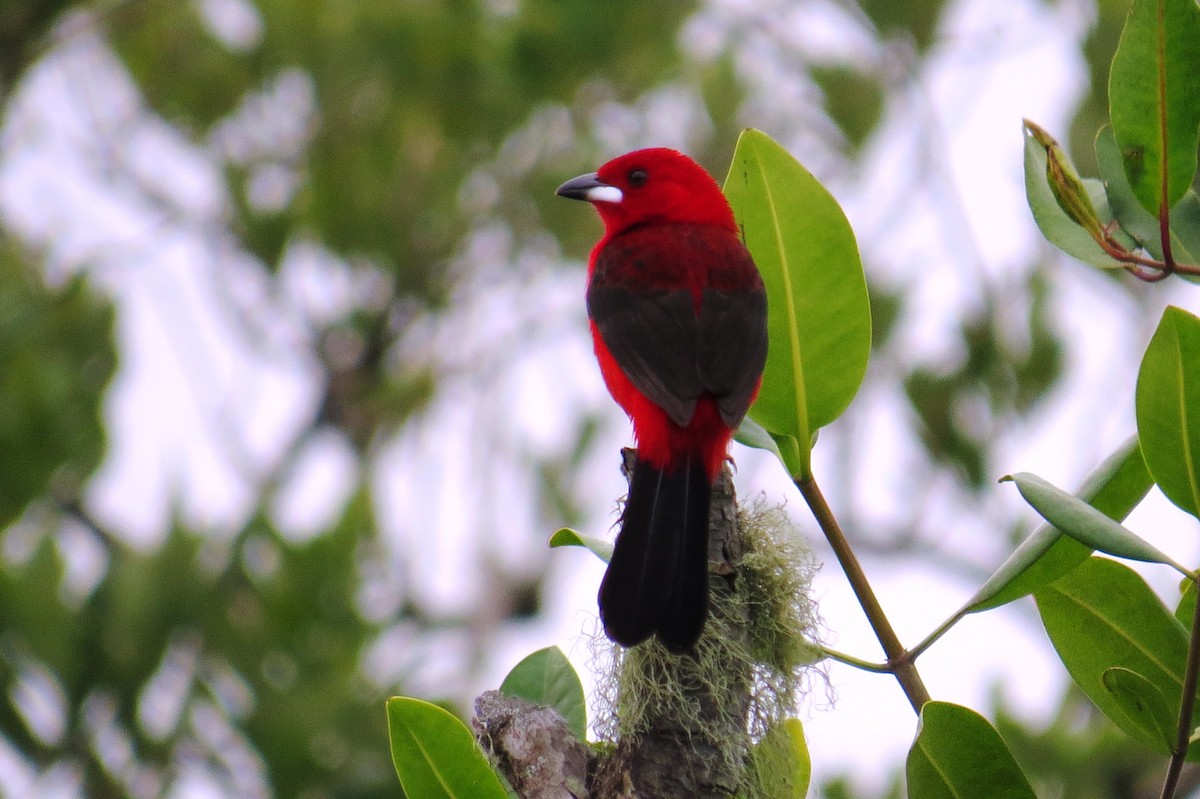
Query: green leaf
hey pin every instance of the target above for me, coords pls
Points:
(1141, 225)
(1065, 184)
(819, 317)
(436, 756)
(1101, 616)
(1115, 488)
(1185, 611)
(959, 754)
(752, 434)
(1154, 98)
(1168, 408)
(781, 763)
(566, 537)
(1054, 222)
(1185, 227)
(1085, 524)
(547, 678)
(783, 447)
(1142, 703)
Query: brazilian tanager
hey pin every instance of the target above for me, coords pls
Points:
(678, 319)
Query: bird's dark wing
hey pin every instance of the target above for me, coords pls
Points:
(641, 302)
(732, 348)
(653, 337)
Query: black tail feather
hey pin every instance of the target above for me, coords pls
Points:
(657, 580)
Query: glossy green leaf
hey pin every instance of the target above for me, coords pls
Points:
(1074, 517)
(819, 317)
(1054, 222)
(547, 678)
(436, 756)
(566, 537)
(1115, 488)
(1101, 616)
(958, 754)
(781, 762)
(1134, 220)
(1143, 704)
(1154, 98)
(1168, 408)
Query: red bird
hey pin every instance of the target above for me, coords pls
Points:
(679, 322)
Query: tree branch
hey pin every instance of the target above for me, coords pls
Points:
(682, 758)
(899, 660)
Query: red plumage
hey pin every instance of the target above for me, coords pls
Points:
(678, 320)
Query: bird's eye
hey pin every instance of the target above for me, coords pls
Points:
(638, 177)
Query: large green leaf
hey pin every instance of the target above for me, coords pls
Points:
(1102, 616)
(1115, 488)
(1056, 225)
(819, 318)
(1085, 524)
(959, 755)
(1168, 408)
(436, 756)
(547, 678)
(1154, 98)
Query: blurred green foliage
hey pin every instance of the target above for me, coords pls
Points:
(58, 354)
(961, 407)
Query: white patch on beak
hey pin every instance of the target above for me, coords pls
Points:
(604, 194)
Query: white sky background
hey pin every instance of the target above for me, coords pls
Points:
(206, 399)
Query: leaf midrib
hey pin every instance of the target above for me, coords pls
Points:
(1135, 645)
(1189, 457)
(798, 387)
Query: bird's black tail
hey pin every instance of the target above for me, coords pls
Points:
(657, 580)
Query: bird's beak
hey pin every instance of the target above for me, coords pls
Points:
(591, 188)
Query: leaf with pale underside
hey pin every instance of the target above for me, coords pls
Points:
(1074, 517)
(567, 537)
(1115, 488)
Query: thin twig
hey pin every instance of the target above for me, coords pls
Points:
(941, 630)
(1183, 733)
(858, 663)
(899, 661)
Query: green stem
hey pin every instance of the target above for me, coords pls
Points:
(941, 630)
(1164, 207)
(1183, 733)
(858, 663)
(899, 661)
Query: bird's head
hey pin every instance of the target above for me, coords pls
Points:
(657, 185)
